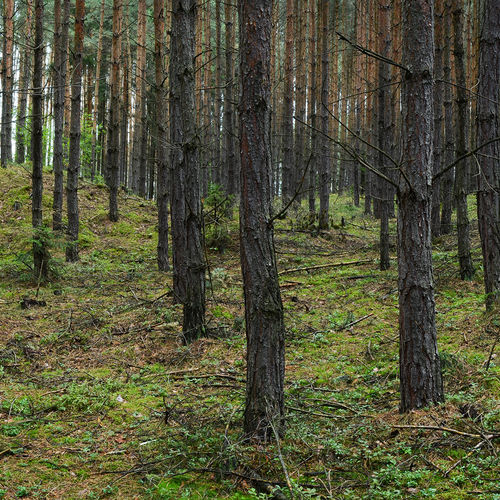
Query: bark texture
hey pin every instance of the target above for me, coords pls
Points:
(463, 226)
(384, 129)
(74, 138)
(229, 149)
(187, 242)
(420, 374)
(288, 93)
(61, 22)
(138, 155)
(438, 117)
(488, 127)
(24, 85)
(114, 115)
(324, 160)
(161, 146)
(7, 81)
(264, 407)
(449, 146)
(40, 254)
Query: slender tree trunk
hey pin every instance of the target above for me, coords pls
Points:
(60, 64)
(124, 139)
(449, 147)
(313, 42)
(324, 160)
(24, 85)
(384, 127)
(187, 242)
(301, 16)
(264, 407)
(161, 146)
(218, 95)
(96, 92)
(74, 139)
(464, 252)
(114, 116)
(207, 101)
(7, 82)
(288, 93)
(420, 374)
(229, 150)
(438, 117)
(40, 253)
(139, 156)
(488, 127)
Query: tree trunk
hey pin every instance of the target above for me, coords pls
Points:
(449, 147)
(24, 86)
(488, 127)
(124, 137)
(60, 64)
(420, 373)
(187, 242)
(288, 93)
(114, 115)
(7, 81)
(264, 407)
(438, 117)
(302, 14)
(464, 252)
(216, 167)
(313, 91)
(74, 138)
(40, 252)
(384, 128)
(161, 146)
(138, 156)
(96, 93)
(324, 160)
(229, 150)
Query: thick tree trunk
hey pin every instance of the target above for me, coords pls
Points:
(113, 158)
(324, 160)
(24, 86)
(61, 25)
(161, 146)
(264, 407)
(7, 82)
(40, 253)
(461, 176)
(438, 117)
(420, 374)
(449, 147)
(74, 138)
(488, 127)
(187, 241)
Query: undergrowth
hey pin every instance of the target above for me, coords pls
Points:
(100, 399)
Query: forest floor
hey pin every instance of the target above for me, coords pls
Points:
(99, 398)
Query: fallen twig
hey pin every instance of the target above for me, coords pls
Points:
(325, 266)
(352, 323)
(458, 462)
(445, 429)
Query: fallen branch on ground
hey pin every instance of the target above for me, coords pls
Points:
(325, 266)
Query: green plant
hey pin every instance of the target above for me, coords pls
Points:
(217, 211)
